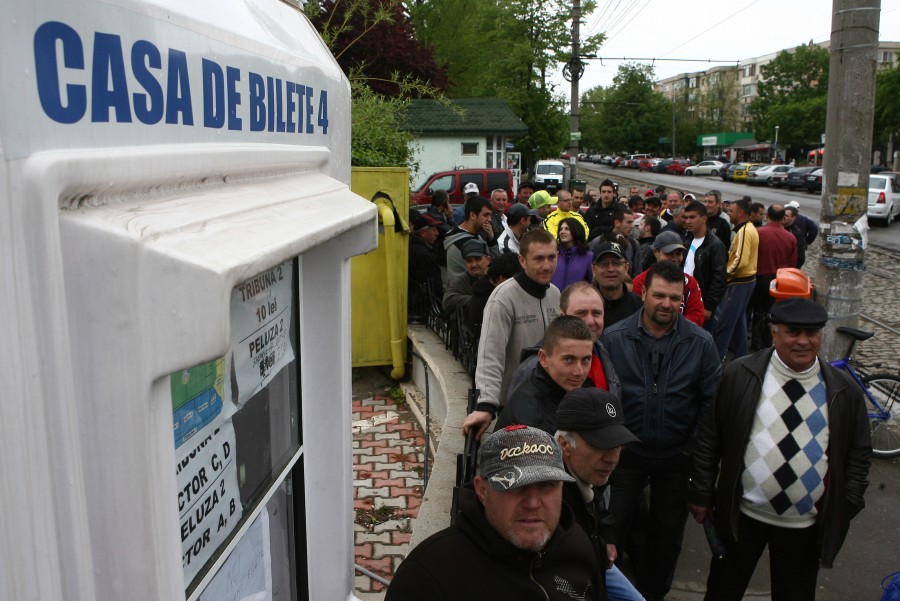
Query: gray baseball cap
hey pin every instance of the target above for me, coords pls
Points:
(517, 456)
(668, 242)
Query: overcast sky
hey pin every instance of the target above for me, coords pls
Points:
(721, 31)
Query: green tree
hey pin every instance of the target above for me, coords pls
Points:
(887, 105)
(634, 116)
(507, 49)
(793, 94)
(375, 45)
(720, 102)
(591, 103)
(377, 139)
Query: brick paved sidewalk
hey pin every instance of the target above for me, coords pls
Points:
(388, 467)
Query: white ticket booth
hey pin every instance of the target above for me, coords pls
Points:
(175, 235)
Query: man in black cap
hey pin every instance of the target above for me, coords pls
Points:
(518, 220)
(425, 280)
(477, 260)
(591, 433)
(513, 538)
(781, 460)
(610, 269)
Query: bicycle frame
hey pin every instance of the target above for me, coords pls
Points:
(845, 365)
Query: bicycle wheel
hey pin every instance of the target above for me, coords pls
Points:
(885, 392)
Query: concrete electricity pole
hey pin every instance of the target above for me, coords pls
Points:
(848, 129)
(573, 72)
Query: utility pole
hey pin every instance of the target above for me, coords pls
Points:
(673, 124)
(848, 128)
(573, 72)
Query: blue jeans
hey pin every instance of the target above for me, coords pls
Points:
(731, 319)
(667, 477)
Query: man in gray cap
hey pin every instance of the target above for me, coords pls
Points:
(513, 538)
(781, 460)
(591, 435)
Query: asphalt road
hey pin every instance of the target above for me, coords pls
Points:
(871, 551)
(810, 204)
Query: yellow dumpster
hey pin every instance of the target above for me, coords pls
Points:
(379, 289)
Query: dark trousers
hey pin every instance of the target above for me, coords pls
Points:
(731, 319)
(762, 302)
(793, 562)
(667, 514)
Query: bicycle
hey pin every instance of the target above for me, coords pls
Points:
(882, 393)
(881, 390)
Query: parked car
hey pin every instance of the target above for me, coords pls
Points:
(678, 166)
(814, 180)
(605, 160)
(728, 174)
(763, 175)
(778, 177)
(662, 166)
(796, 177)
(647, 164)
(884, 198)
(878, 169)
(895, 175)
(454, 182)
(705, 168)
(549, 175)
(740, 172)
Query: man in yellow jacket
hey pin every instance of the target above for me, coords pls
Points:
(731, 317)
(563, 211)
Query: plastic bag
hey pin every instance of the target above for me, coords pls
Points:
(891, 586)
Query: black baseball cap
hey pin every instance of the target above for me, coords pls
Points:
(596, 415)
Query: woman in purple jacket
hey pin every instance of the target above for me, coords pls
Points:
(574, 262)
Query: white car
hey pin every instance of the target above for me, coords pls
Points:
(705, 168)
(763, 176)
(884, 198)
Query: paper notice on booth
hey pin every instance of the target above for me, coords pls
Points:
(247, 573)
(198, 395)
(209, 500)
(260, 329)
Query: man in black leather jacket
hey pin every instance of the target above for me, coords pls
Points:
(516, 540)
(709, 260)
(782, 459)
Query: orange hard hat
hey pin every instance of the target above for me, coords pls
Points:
(790, 282)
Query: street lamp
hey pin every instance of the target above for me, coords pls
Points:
(776, 142)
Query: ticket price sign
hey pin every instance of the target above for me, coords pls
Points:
(260, 321)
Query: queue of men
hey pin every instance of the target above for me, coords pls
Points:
(615, 420)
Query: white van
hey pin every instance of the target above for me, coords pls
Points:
(549, 175)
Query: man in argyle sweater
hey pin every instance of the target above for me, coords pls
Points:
(781, 460)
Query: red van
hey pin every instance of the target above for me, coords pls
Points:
(454, 182)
